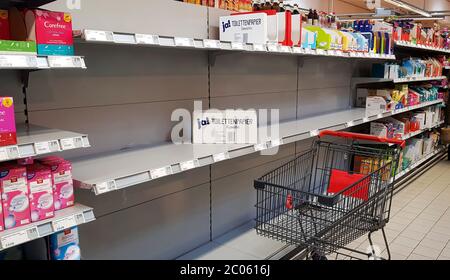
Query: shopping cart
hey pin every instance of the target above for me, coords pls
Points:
(330, 195)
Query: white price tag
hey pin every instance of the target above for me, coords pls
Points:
(272, 48)
(298, 50)
(71, 143)
(331, 52)
(221, 157)
(54, 146)
(65, 61)
(352, 54)
(339, 53)
(42, 148)
(260, 147)
(124, 39)
(187, 165)
(211, 44)
(64, 223)
(97, 35)
(237, 46)
(160, 172)
(259, 48)
(18, 61)
(320, 52)
(105, 187)
(42, 62)
(184, 42)
(146, 39)
(3, 154)
(19, 237)
(314, 133)
(285, 49)
(13, 152)
(359, 54)
(350, 124)
(86, 143)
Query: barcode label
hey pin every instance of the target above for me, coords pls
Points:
(221, 157)
(19, 237)
(259, 48)
(65, 61)
(13, 152)
(64, 223)
(105, 187)
(147, 39)
(72, 143)
(42, 148)
(187, 165)
(237, 46)
(96, 35)
(54, 146)
(161, 172)
(184, 42)
(211, 44)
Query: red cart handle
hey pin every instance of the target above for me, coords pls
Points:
(361, 136)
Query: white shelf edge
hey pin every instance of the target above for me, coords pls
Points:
(144, 173)
(72, 216)
(36, 62)
(420, 47)
(110, 37)
(418, 79)
(41, 141)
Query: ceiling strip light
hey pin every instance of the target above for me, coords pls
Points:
(408, 7)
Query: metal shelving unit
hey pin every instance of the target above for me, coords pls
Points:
(32, 62)
(110, 37)
(35, 141)
(418, 132)
(106, 172)
(65, 218)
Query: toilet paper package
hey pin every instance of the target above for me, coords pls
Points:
(61, 170)
(41, 192)
(64, 245)
(14, 189)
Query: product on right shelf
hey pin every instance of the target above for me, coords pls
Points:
(8, 134)
(64, 245)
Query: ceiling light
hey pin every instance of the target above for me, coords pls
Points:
(408, 7)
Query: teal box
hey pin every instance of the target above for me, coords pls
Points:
(45, 49)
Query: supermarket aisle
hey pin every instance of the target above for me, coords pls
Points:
(420, 225)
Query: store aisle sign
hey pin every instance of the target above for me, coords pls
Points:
(225, 127)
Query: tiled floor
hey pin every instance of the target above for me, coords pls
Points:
(419, 228)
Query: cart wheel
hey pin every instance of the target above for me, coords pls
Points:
(318, 257)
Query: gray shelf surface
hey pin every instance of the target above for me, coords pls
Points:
(65, 218)
(410, 45)
(111, 37)
(117, 170)
(36, 140)
(33, 62)
(241, 243)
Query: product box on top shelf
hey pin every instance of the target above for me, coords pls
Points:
(8, 134)
(382, 129)
(254, 28)
(64, 245)
(15, 195)
(16, 41)
(401, 127)
(63, 193)
(41, 192)
(52, 31)
(4, 25)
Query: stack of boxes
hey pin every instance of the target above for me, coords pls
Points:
(35, 32)
(33, 192)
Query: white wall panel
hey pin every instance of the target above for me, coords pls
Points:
(319, 101)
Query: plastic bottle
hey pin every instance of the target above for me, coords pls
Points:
(310, 17)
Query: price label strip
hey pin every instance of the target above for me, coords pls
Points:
(105, 187)
(221, 157)
(161, 172)
(187, 165)
(211, 44)
(184, 42)
(65, 62)
(19, 237)
(97, 35)
(42, 148)
(259, 48)
(72, 143)
(64, 223)
(18, 61)
(237, 46)
(145, 39)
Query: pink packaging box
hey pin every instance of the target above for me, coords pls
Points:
(8, 134)
(41, 192)
(14, 188)
(63, 195)
(52, 31)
